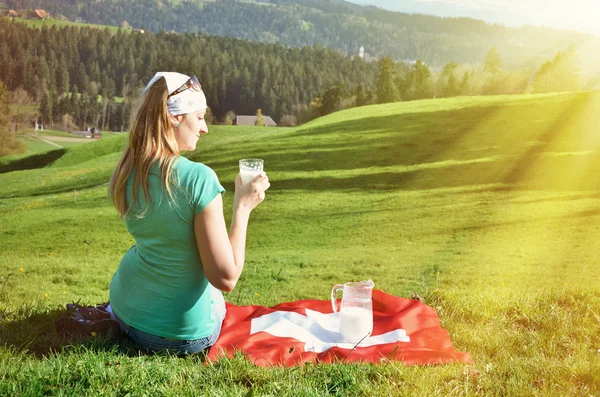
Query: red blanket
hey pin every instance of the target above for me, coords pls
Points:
(268, 341)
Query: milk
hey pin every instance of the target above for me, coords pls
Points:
(356, 323)
(248, 176)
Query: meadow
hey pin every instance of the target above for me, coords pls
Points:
(35, 23)
(487, 207)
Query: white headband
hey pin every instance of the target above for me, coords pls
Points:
(187, 101)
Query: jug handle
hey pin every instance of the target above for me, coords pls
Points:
(334, 291)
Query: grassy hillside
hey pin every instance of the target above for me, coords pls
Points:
(60, 23)
(488, 207)
(41, 144)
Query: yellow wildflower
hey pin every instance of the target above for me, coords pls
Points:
(21, 270)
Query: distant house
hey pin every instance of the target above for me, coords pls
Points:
(251, 120)
(139, 31)
(92, 133)
(12, 13)
(38, 14)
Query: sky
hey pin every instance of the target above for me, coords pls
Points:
(581, 15)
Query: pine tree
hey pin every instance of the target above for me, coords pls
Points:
(331, 99)
(492, 62)
(544, 78)
(560, 74)
(5, 63)
(44, 72)
(272, 103)
(421, 77)
(465, 84)
(361, 97)
(447, 83)
(8, 142)
(452, 88)
(4, 110)
(386, 89)
(63, 81)
(30, 82)
(566, 70)
(46, 108)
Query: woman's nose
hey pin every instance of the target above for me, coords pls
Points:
(203, 127)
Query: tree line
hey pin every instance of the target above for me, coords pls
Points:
(401, 81)
(333, 24)
(81, 77)
(94, 76)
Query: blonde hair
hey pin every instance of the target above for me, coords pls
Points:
(151, 140)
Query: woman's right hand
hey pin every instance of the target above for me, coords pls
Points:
(248, 196)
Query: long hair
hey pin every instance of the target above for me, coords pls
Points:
(151, 140)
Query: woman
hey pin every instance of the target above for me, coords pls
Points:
(166, 293)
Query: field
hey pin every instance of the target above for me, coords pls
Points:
(60, 23)
(46, 141)
(488, 207)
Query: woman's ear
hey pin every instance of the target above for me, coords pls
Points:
(175, 120)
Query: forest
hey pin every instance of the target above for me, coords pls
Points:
(332, 23)
(77, 77)
(95, 76)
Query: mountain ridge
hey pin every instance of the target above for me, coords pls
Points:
(337, 24)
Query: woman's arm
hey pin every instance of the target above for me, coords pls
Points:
(223, 255)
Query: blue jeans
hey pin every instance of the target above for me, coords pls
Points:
(179, 347)
(159, 344)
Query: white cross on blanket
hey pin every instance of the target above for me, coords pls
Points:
(318, 331)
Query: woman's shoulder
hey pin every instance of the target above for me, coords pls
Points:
(186, 166)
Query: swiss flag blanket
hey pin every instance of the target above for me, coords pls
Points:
(293, 333)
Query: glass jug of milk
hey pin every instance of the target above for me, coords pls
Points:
(356, 312)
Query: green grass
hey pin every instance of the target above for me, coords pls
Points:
(57, 133)
(488, 207)
(60, 24)
(35, 145)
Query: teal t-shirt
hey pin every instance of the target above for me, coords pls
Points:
(160, 286)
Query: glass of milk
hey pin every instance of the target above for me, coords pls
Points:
(250, 169)
(356, 310)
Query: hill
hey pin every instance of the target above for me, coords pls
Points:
(333, 23)
(74, 68)
(485, 206)
(60, 23)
